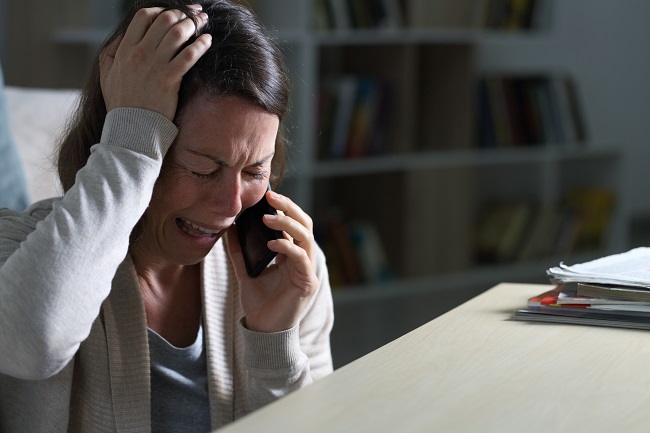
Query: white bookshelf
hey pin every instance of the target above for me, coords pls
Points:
(543, 172)
(405, 190)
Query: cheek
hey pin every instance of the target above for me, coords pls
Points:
(253, 194)
(172, 189)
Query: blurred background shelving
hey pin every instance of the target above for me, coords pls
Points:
(441, 146)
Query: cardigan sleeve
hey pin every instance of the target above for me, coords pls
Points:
(58, 258)
(281, 362)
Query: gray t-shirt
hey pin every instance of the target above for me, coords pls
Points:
(179, 386)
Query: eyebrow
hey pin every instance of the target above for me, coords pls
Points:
(220, 161)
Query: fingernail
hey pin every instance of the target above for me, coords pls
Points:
(271, 217)
(196, 6)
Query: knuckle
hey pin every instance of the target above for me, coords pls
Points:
(178, 32)
(192, 52)
(169, 17)
(146, 15)
(143, 13)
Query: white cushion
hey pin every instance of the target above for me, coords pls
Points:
(37, 119)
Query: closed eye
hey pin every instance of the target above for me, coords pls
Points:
(204, 175)
(257, 176)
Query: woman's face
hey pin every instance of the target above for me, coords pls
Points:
(219, 165)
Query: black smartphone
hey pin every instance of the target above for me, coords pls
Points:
(253, 235)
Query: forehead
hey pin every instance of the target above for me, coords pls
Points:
(221, 107)
(226, 121)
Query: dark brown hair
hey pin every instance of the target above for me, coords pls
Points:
(242, 61)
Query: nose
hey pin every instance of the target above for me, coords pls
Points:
(226, 197)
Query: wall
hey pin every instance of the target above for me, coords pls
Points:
(604, 44)
(31, 57)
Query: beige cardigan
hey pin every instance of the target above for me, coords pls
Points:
(105, 386)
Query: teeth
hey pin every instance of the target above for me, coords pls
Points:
(202, 229)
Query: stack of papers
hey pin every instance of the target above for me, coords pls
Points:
(610, 291)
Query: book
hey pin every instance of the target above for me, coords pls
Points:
(574, 294)
(343, 252)
(562, 304)
(510, 15)
(442, 14)
(528, 109)
(584, 317)
(612, 293)
(340, 14)
(345, 89)
(565, 95)
(608, 291)
(363, 117)
(370, 251)
(501, 230)
(322, 15)
(593, 206)
(393, 14)
(542, 233)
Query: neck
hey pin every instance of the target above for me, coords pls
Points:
(172, 299)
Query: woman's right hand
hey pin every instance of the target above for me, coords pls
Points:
(144, 67)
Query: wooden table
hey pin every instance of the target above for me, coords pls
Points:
(474, 369)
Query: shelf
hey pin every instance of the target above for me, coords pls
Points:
(479, 276)
(453, 158)
(411, 36)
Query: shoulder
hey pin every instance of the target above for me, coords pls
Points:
(25, 221)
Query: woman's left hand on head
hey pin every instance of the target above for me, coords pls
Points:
(275, 300)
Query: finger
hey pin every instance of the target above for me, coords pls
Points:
(191, 54)
(294, 232)
(164, 23)
(142, 20)
(178, 35)
(298, 256)
(288, 207)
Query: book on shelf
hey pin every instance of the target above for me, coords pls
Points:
(542, 233)
(608, 291)
(530, 109)
(509, 15)
(516, 230)
(590, 208)
(357, 14)
(344, 96)
(354, 114)
(442, 14)
(354, 251)
(501, 228)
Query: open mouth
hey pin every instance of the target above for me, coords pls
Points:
(192, 229)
